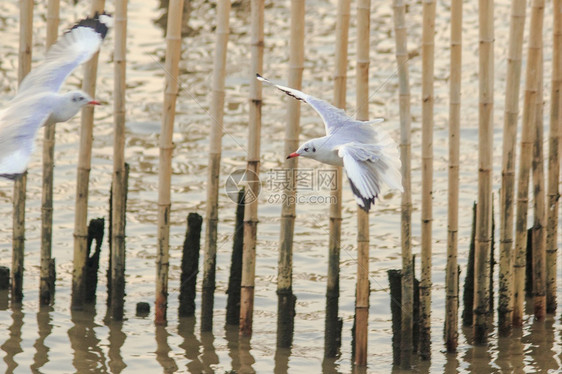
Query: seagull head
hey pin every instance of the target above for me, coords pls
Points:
(70, 103)
(308, 149)
(81, 98)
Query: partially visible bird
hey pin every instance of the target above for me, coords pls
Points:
(369, 155)
(38, 101)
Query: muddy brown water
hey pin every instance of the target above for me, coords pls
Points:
(56, 340)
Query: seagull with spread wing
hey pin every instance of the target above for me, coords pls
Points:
(38, 101)
(368, 155)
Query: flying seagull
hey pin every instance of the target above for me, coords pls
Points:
(38, 101)
(369, 155)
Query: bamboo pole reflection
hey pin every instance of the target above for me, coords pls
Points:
(282, 356)
(209, 356)
(200, 353)
(541, 338)
(511, 353)
(190, 344)
(44, 329)
(87, 353)
(163, 350)
(246, 358)
(452, 365)
(116, 340)
(330, 365)
(12, 346)
(231, 335)
(477, 357)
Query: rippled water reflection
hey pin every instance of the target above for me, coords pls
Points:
(54, 339)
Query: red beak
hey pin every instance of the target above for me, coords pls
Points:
(94, 102)
(293, 155)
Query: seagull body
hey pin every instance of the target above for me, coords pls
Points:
(38, 102)
(369, 155)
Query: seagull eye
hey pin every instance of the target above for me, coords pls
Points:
(306, 149)
(81, 98)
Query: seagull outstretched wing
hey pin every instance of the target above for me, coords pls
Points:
(73, 48)
(333, 117)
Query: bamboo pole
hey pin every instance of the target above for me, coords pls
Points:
(507, 193)
(529, 116)
(47, 282)
(362, 97)
(173, 55)
(286, 299)
(538, 232)
(18, 233)
(485, 151)
(118, 210)
(452, 277)
(400, 30)
(332, 323)
(83, 178)
(253, 169)
(332, 329)
(213, 172)
(428, 48)
(553, 161)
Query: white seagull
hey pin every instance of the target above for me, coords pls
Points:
(38, 101)
(369, 155)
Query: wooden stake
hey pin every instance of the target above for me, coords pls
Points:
(190, 265)
(400, 30)
(428, 48)
(452, 277)
(529, 116)
(468, 289)
(173, 54)
(485, 151)
(95, 232)
(118, 210)
(538, 236)
(213, 173)
(395, 283)
(253, 169)
(18, 234)
(507, 193)
(554, 161)
(46, 282)
(233, 291)
(362, 291)
(332, 337)
(286, 299)
(83, 178)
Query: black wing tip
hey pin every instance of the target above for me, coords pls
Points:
(94, 23)
(367, 202)
(12, 176)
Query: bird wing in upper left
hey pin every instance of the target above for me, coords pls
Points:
(368, 166)
(19, 123)
(73, 48)
(332, 116)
